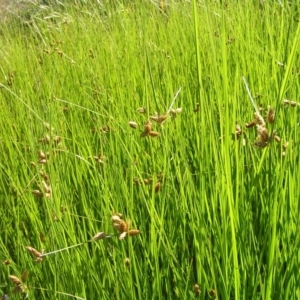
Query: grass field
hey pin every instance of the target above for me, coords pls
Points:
(144, 108)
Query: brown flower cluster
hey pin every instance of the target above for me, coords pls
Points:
(19, 285)
(38, 255)
(123, 227)
(159, 119)
(263, 136)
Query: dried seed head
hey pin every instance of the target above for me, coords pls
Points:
(99, 236)
(260, 144)
(6, 262)
(47, 188)
(116, 218)
(124, 226)
(259, 119)
(15, 280)
(153, 133)
(159, 119)
(56, 139)
(41, 154)
(148, 126)
(263, 134)
(33, 251)
(197, 289)
(42, 161)
(271, 115)
(287, 102)
(127, 261)
(38, 193)
(141, 110)
(276, 138)
(212, 293)
(285, 145)
(133, 124)
(122, 235)
(133, 232)
(157, 187)
(251, 124)
(238, 131)
(48, 195)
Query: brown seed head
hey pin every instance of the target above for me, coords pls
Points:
(271, 115)
(99, 236)
(276, 138)
(41, 154)
(133, 232)
(15, 280)
(259, 119)
(263, 134)
(197, 289)
(251, 124)
(33, 251)
(38, 193)
(6, 262)
(153, 133)
(127, 261)
(122, 235)
(133, 124)
(157, 187)
(141, 110)
(147, 127)
(212, 293)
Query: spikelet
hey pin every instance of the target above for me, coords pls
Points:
(141, 110)
(263, 137)
(147, 129)
(133, 124)
(287, 102)
(133, 232)
(99, 236)
(153, 133)
(157, 187)
(33, 251)
(271, 115)
(259, 119)
(197, 289)
(123, 227)
(148, 126)
(159, 119)
(251, 123)
(15, 280)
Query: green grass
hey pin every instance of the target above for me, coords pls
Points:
(227, 214)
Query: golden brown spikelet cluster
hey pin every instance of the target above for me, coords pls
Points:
(148, 181)
(197, 289)
(123, 227)
(100, 158)
(35, 253)
(158, 119)
(44, 189)
(19, 286)
(99, 236)
(148, 130)
(287, 102)
(263, 136)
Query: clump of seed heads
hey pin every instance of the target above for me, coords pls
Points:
(19, 283)
(123, 228)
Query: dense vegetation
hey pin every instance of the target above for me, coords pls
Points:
(144, 108)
